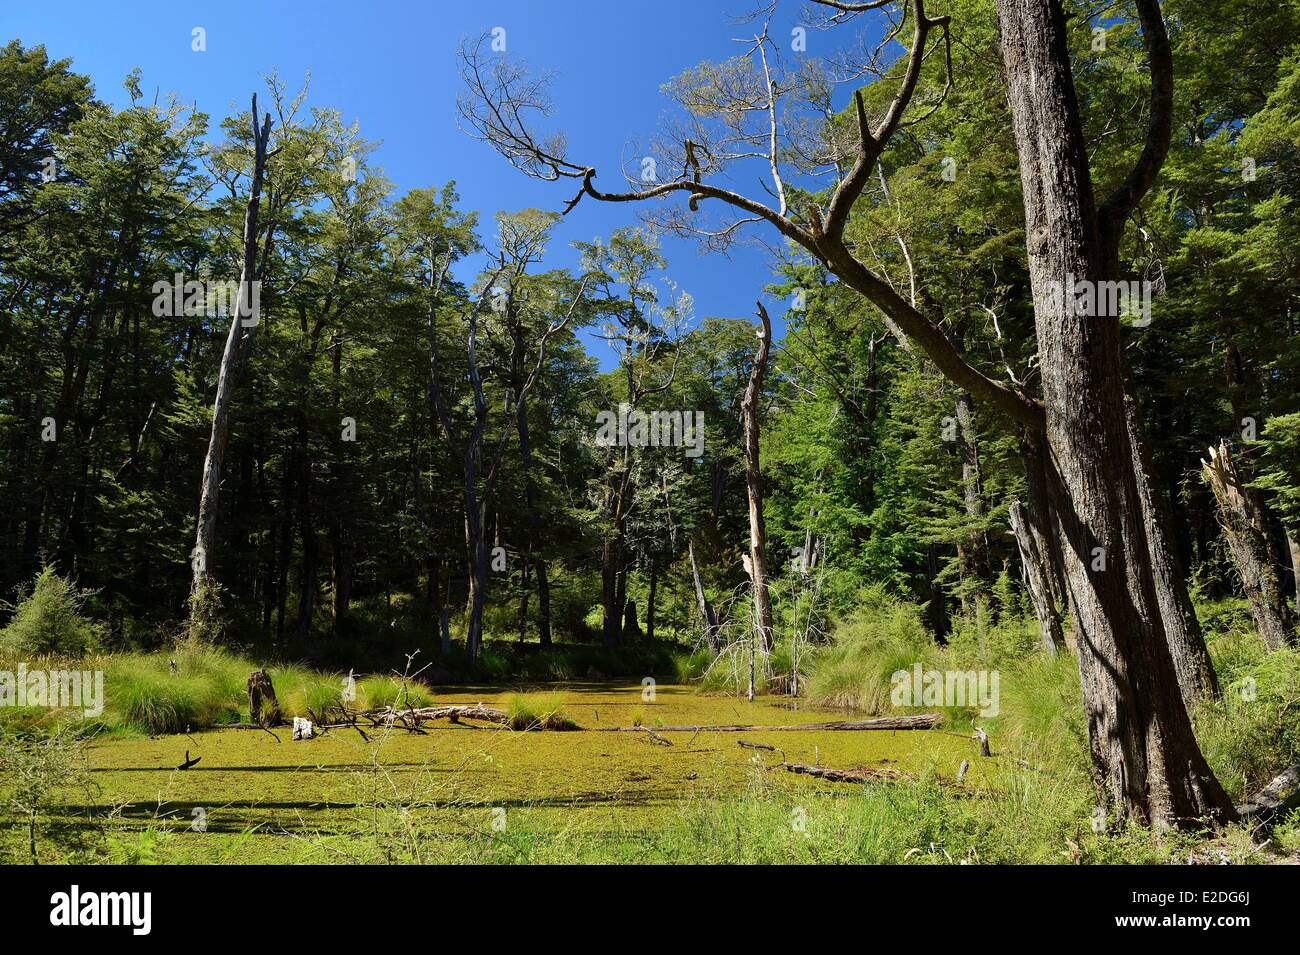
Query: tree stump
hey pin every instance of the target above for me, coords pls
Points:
(263, 708)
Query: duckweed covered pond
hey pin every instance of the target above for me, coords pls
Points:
(251, 798)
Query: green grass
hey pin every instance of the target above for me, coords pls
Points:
(538, 711)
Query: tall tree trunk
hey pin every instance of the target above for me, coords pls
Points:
(1246, 528)
(340, 537)
(535, 525)
(285, 551)
(203, 587)
(757, 565)
(975, 547)
(707, 616)
(307, 538)
(1293, 548)
(650, 601)
(620, 600)
(543, 604)
(631, 628)
(1196, 677)
(476, 551)
(610, 619)
(1040, 541)
(1145, 756)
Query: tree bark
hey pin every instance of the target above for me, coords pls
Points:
(650, 602)
(531, 495)
(206, 533)
(1191, 658)
(1145, 756)
(757, 566)
(1037, 577)
(1246, 528)
(631, 628)
(707, 615)
(976, 547)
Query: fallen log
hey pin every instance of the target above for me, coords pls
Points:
(919, 721)
(412, 717)
(860, 775)
(1270, 805)
(453, 713)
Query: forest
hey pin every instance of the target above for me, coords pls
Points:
(969, 533)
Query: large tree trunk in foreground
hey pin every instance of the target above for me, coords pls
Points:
(1246, 528)
(1196, 677)
(1145, 756)
(203, 580)
(757, 565)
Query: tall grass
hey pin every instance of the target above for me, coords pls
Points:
(869, 645)
(533, 711)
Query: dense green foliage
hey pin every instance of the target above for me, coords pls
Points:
(344, 551)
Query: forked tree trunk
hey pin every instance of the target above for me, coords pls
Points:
(205, 539)
(757, 565)
(1246, 528)
(1145, 756)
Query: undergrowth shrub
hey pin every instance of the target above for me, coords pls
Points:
(48, 619)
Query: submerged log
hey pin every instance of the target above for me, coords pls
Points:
(860, 775)
(453, 713)
(919, 721)
(412, 717)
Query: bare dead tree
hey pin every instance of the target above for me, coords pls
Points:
(757, 562)
(203, 589)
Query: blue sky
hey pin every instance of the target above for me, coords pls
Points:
(391, 66)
